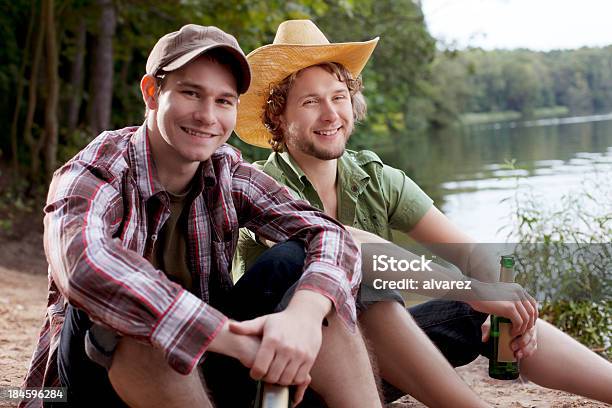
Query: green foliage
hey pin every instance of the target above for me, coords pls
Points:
(583, 216)
(588, 322)
(139, 25)
(569, 255)
(475, 81)
(14, 202)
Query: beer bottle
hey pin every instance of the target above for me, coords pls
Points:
(502, 364)
(272, 396)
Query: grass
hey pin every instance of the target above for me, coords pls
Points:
(571, 268)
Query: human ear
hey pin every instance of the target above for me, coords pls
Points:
(147, 88)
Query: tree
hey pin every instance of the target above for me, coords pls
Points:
(75, 85)
(33, 143)
(52, 84)
(19, 97)
(102, 69)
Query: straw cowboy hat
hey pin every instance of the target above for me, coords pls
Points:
(298, 44)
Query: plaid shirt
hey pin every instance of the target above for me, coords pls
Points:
(104, 210)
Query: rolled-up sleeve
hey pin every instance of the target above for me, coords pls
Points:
(407, 203)
(114, 285)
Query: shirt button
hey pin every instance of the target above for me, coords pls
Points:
(354, 188)
(154, 237)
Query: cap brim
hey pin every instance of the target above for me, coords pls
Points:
(245, 71)
(272, 63)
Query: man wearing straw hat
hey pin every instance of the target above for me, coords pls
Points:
(140, 230)
(303, 103)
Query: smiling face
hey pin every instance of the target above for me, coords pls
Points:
(193, 114)
(318, 117)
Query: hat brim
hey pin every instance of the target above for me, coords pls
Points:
(243, 82)
(272, 63)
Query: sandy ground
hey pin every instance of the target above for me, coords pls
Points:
(23, 285)
(22, 307)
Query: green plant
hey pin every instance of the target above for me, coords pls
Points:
(566, 257)
(16, 201)
(6, 225)
(588, 322)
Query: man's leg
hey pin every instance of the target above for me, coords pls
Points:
(458, 336)
(85, 380)
(454, 327)
(138, 375)
(409, 360)
(142, 377)
(342, 373)
(590, 375)
(562, 363)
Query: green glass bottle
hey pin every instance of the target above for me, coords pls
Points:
(502, 364)
(272, 396)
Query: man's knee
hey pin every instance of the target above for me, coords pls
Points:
(141, 376)
(282, 262)
(260, 290)
(82, 374)
(343, 374)
(338, 336)
(454, 327)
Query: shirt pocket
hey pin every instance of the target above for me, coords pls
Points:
(222, 254)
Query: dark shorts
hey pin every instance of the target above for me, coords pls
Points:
(85, 351)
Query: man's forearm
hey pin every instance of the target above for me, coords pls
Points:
(314, 304)
(240, 347)
(436, 273)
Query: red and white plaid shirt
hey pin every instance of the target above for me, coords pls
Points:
(104, 210)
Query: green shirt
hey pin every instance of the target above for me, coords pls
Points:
(372, 196)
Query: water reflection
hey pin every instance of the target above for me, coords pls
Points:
(464, 170)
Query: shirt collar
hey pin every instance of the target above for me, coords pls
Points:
(352, 177)
(279, 163)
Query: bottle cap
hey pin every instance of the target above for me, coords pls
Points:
(507, 261)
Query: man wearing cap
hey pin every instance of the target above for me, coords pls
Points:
(140, 230)
(304, 100)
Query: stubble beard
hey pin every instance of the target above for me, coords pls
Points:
(307, 146)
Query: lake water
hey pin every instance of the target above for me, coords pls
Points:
(465, 170)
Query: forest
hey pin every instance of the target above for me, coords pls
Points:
(72, 68)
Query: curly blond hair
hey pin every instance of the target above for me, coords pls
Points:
(275, 104)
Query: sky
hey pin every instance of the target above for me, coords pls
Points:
(534, 24)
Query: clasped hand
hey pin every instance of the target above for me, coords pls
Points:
(516, 305)
(290, 343)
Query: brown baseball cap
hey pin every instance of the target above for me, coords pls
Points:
(178, 48)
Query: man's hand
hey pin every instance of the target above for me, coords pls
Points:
(290, 341)
(517, 305)
(523, 346)
(241, 347)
